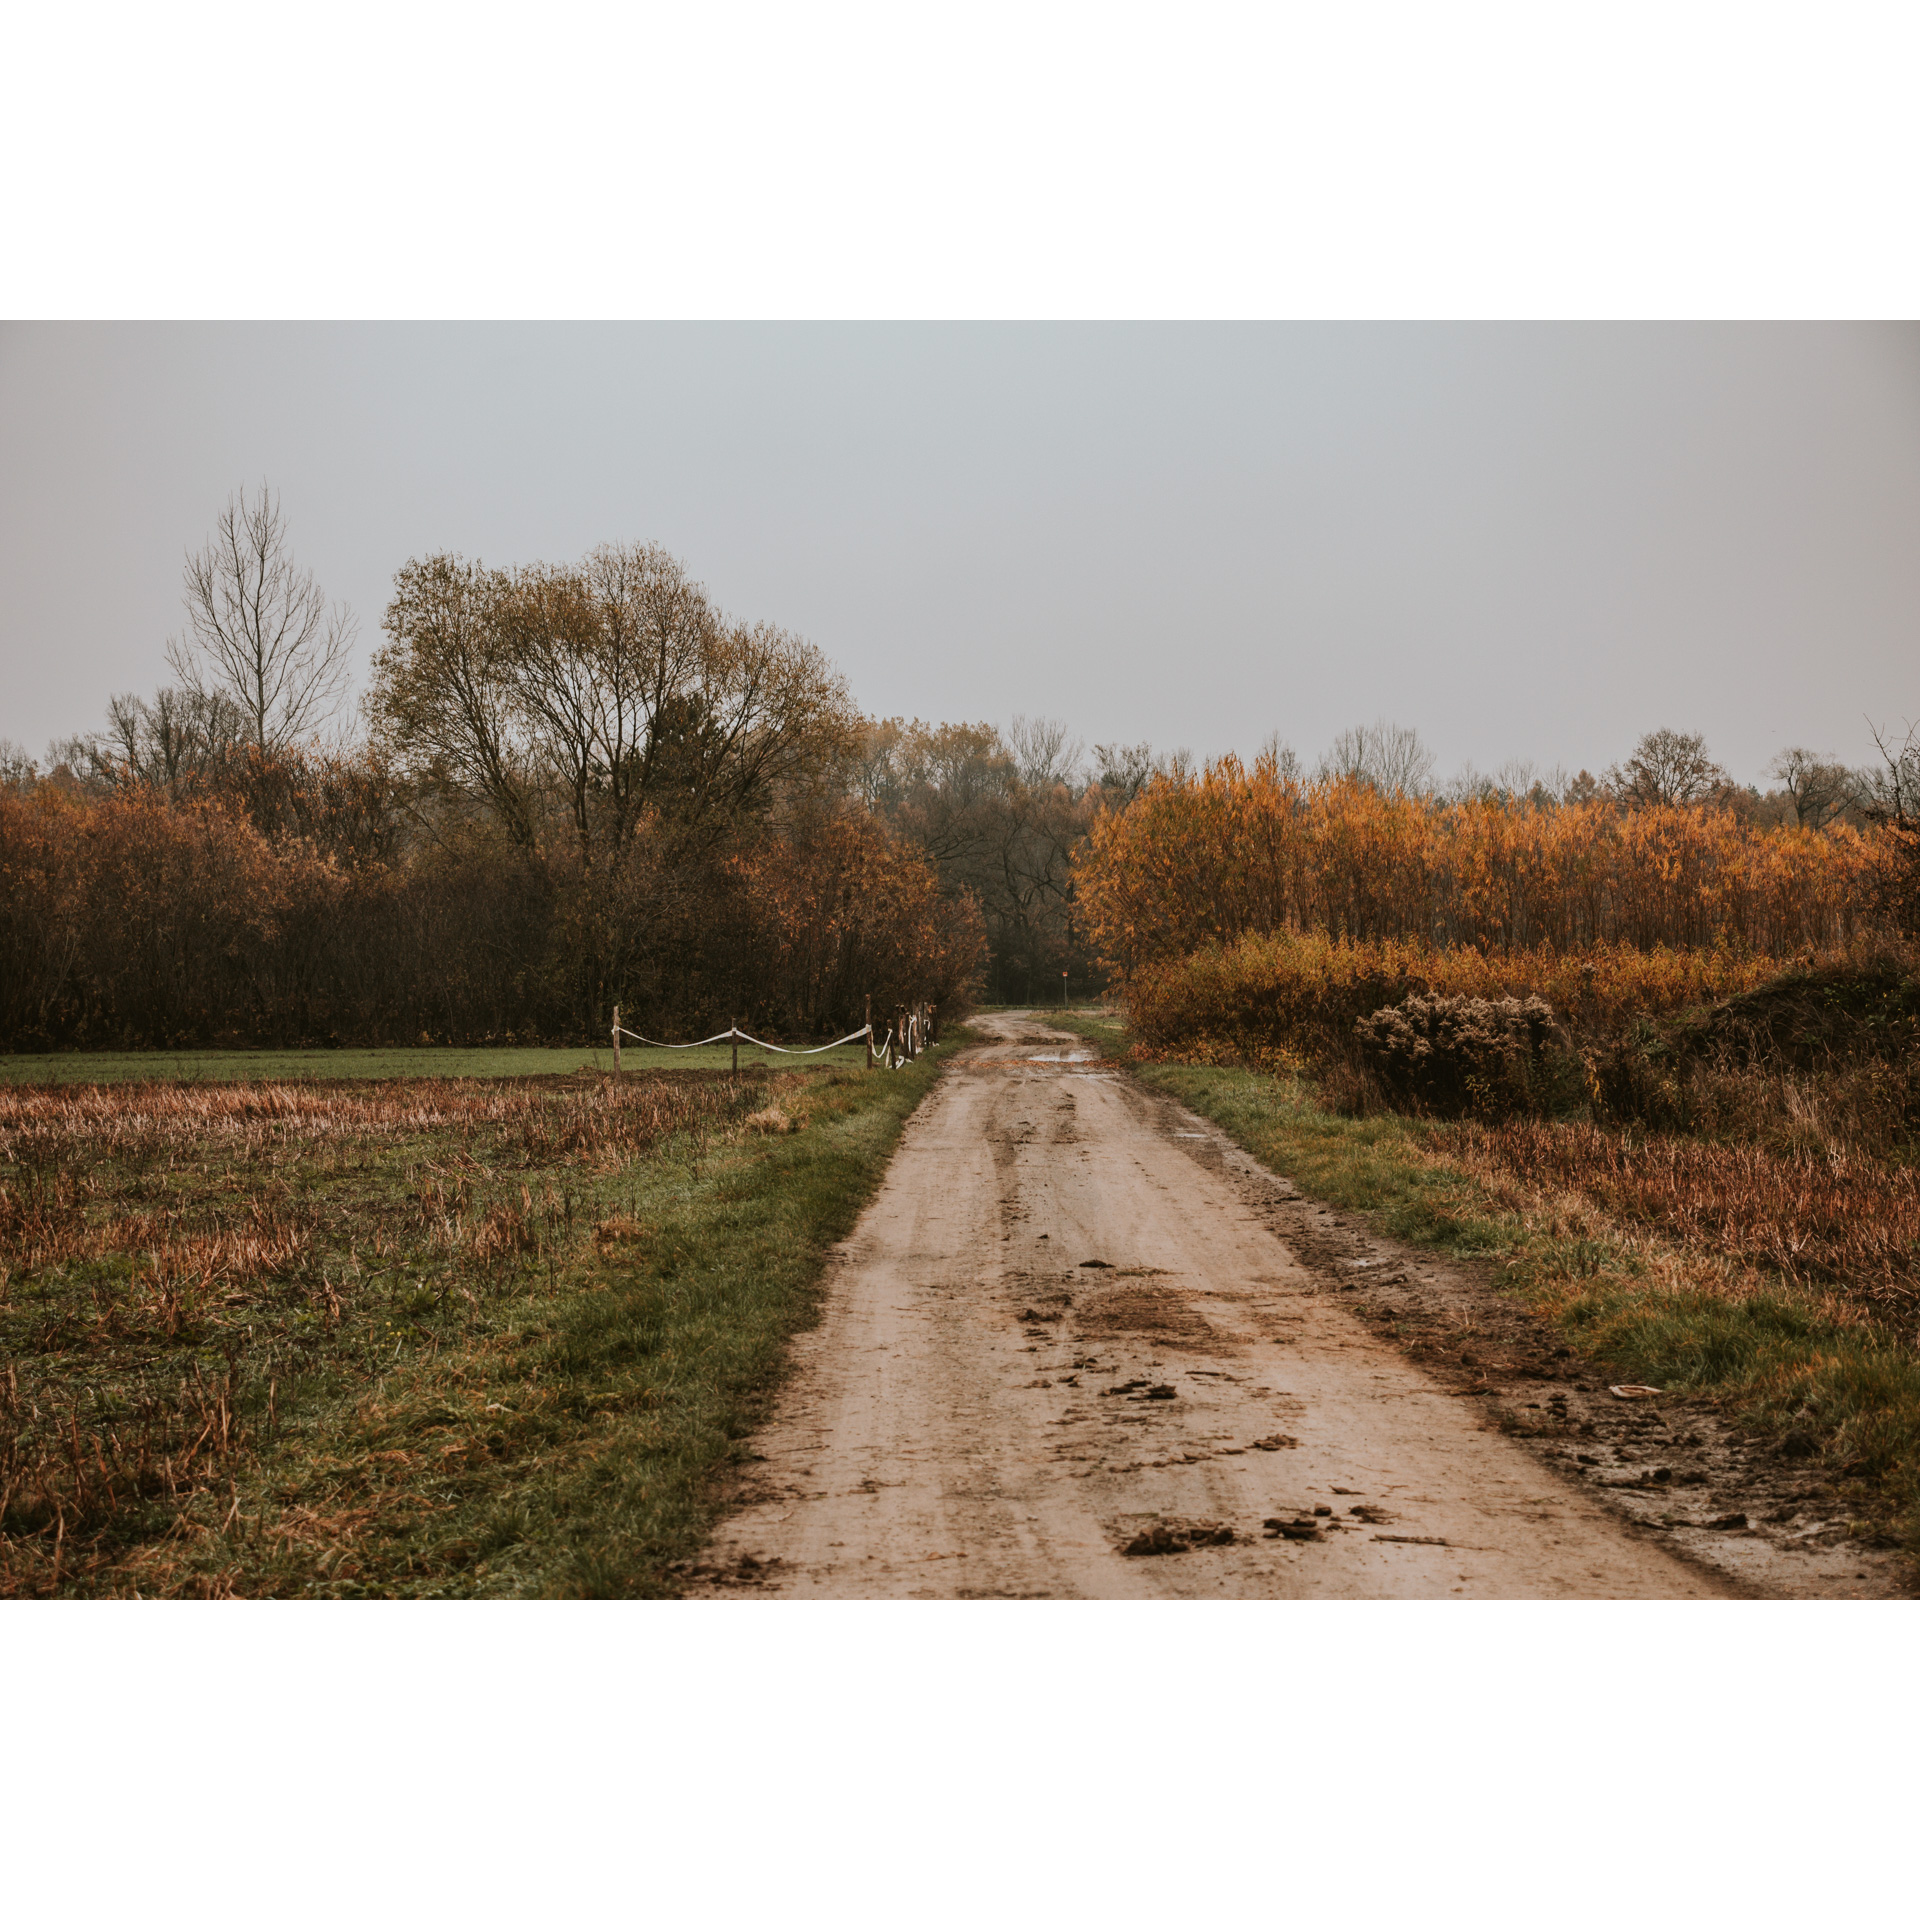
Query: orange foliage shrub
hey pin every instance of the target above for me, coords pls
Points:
(846, 909)
(135, 915)
(1251, 914)
(1228, 851)
(1291, 998)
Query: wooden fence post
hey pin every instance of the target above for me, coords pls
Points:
(869, 1033)
(616, 1039)
(736, 1046)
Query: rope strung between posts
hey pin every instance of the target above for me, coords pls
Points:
(906, 1038)
(734, 1033)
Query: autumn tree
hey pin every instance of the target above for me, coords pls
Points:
(1001, 818)
(598, 696)
(623, 734)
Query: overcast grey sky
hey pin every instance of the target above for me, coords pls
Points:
(1524, 540)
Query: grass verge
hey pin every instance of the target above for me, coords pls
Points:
(421, 1339)
(1655, 1307)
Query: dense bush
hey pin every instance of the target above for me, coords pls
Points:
(1459, 1054)
(1814, 1056)
(1295, 998)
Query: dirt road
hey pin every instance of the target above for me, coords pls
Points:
(1063, 1356)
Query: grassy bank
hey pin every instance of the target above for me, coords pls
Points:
(1669, 1308)
(452, 1338)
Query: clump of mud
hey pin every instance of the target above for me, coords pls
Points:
(1179, 1536)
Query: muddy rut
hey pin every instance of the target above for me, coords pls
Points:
(1064, 1354)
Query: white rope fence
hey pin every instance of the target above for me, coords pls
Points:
(906, 1038)
(734, 1033)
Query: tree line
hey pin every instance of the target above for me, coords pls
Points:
(574, 784)
(565, 785)
(1662, 851)
(1235, 850)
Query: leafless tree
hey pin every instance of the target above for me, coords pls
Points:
(1516, 781)
(261, 632)
(1392, 758)
(1285, 762)
(1892, 789)
(1044, 753)
(1667, 769)
(1889, 794)
(180, 731)
(1122, 773)
(1818, 789)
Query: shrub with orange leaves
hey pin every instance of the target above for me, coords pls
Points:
(138, 916)
(1290, 998)
(1230, 851)
(1249, 912)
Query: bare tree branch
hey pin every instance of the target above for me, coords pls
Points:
(261, 632)
(1667, 769)
(1392, 758)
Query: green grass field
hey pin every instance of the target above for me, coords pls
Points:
(380, 1063)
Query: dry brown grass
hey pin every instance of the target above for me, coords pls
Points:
(543, 1120)
(1843, 1222)
(177, 1264)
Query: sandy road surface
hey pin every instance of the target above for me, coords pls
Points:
(1055, 1331)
